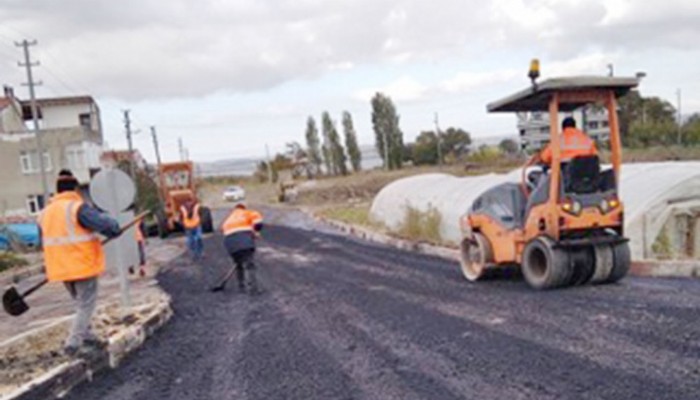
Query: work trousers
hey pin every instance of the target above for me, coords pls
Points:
(194, 242)
(84, 292)
(245, 269)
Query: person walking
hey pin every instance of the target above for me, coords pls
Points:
(191, 221)
(73, 253)
(240, 229)
(141, 243)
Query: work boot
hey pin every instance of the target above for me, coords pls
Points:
(71, 351)
(95, 342)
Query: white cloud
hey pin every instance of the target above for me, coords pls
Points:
(140, 49)
(468, 81)
(402, 89)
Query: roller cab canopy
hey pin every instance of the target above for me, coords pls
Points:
(574, 91)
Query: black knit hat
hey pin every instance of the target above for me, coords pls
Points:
(66, 181)
(568, 122)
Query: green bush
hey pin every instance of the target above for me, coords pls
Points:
(421, 225)
(10, 260)
(662, 247)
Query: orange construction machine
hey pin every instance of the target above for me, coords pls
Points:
(563, 223)
(176, 182)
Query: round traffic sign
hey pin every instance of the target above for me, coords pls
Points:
(112, 190)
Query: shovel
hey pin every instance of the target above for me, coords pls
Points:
(13, 300)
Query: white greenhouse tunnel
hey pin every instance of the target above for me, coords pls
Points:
(659, 198)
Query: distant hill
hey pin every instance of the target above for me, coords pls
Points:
(370, 159)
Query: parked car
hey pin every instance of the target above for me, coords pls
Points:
(234, 193)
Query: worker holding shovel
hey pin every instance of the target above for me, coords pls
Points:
(240, 230)
(73, 253)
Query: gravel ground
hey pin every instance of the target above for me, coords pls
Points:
(341, 319)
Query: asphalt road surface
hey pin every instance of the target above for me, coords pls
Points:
(342, 319)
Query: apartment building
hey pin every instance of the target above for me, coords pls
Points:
(71, 136)
(533, 127)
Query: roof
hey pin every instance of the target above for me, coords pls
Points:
(61, 101)
(537, 98)
(4, 102)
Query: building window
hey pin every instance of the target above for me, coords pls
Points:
(593, 125)
(35, 203)
(75, 158)
(84, 120)
(26, 162)
(29, 162)
(47, 162)
(605, 124)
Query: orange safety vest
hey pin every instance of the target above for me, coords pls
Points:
(241, 220)
(574, 143)
(71, 252)
(193, 221)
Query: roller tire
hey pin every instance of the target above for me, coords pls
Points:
(603, 264)
(621, 262)
(207, 221)
(476, 257)
(545, 267)
(583, 266)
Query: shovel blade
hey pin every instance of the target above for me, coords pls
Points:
(13, 303)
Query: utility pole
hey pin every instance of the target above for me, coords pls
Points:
(155, 145)
(127, 127)
(439, 139)
(611, 70)
(181, 148)
(269, 163)
(680, 116)
(35, 115)
(132, 169)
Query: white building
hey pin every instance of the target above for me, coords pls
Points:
(71, 135)
(533, 127)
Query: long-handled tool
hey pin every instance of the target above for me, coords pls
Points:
(225, 280)
(13, 301)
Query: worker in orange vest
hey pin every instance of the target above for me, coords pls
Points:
(573, 143)
(73, 253)
(240, 230)
(189, 214)
(141, 243)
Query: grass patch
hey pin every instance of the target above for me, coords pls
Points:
(357, 214)
(10, 260)
(421, 225)
(662, 247)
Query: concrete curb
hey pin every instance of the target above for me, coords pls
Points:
(652, 268)
(58, 381)
(401, 244)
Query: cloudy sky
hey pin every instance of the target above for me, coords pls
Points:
(229, 76)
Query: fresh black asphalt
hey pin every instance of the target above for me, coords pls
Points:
(342, 319)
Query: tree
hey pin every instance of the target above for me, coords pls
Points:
(313, 144)
(388, 135)
(691, 130)
(300, 161)
(646, 121)
(455, 142)
(351, 142)
(509, 146)
(279, 163)
(425, 149)
(148, 198)
(335, 151)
